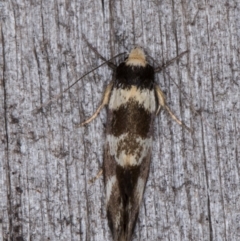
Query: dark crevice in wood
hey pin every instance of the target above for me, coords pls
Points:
(207, 185)
(8, 171)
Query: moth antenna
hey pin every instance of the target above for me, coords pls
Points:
(37, 110)
(110, 64)
(104, 102)
(158, 69)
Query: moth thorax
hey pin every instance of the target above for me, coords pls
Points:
(136, 58)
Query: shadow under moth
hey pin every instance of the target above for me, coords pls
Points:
(133, 100)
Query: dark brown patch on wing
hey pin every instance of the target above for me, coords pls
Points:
(109, 164)
(127, 180)
(124, 202)
(131, 118)
(114, 213)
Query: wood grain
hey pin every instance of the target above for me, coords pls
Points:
(46, 162)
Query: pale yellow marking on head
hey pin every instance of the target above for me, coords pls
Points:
(136, 58)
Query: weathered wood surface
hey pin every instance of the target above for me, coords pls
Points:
(46, 162)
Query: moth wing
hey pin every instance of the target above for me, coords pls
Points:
(124, 191)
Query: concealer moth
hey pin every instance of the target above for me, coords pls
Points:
(133, 100)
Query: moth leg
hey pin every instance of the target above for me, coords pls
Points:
(161, 102)
(96, 177)
(104, 102)
(160, 98)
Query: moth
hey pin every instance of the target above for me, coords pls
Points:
(133, 100)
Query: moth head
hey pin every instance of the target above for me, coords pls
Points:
(136, 58)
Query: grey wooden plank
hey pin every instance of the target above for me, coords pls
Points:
(193, 188)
